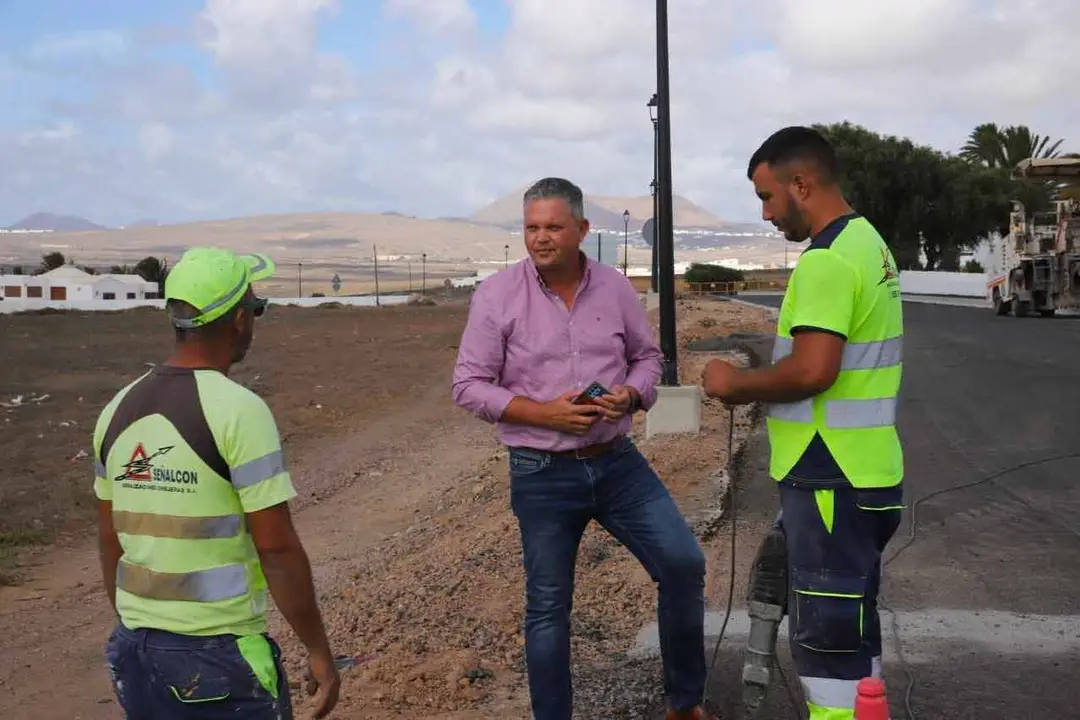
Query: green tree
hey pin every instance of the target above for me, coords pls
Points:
(919, 198)
(51, 261)
(155, 270)
(704, 273)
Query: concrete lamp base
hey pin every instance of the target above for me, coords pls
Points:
(677, 410)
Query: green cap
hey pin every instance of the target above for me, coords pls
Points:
(213, 280)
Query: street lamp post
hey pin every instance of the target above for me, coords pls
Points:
(423, 273)
(410, 275)
(506, 256)
(599, 250)
(625, 241)
(375, 255)
(299, 279)
(665, 228)
(653, 188)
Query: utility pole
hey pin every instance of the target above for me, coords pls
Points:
(299, 279)
(423, 273)
(599, 250)
(375, 253)
(410, 275)
(665, 228)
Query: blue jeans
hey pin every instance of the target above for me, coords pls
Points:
(554, 498)
(159, 675)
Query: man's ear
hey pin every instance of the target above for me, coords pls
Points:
(239, 319)
(801, 186)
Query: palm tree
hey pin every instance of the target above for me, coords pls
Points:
(153, 270)
(1004, 147)
(1001, 148)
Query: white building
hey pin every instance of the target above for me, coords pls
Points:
(472, 281)
(69, 283)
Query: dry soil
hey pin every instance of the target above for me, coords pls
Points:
(403, 508)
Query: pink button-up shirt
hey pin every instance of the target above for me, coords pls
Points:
(520, 339)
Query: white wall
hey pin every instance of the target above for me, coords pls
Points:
(82, 292)
(119, 288)
(959, 284)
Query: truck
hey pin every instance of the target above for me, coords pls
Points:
(1035, 268)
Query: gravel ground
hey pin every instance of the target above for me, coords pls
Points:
(439, 606)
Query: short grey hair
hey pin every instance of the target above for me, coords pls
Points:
(554, 187)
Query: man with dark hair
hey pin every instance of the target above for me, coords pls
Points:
(832, 394)
(539, 334)
(194, 522)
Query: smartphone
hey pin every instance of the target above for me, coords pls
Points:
(590, 393)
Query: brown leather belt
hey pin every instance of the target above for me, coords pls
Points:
(590, 451)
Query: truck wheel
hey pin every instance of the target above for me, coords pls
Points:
(1048, 313)
(1020, 309)
(1000, 306)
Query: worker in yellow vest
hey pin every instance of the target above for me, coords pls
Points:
(194, 519)
(832, 395)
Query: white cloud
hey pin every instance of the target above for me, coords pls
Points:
(435, 16)
(268, 50)
(449, 118)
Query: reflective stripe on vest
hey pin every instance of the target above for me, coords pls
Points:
(177, 526)
(846, 414)
(856, 356)
(210, 585)
(255, 471)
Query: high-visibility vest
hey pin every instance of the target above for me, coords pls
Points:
(846, 282)
(183, 455)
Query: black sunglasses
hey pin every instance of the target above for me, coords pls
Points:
(257, 306)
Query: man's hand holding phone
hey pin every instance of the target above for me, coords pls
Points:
(567, 414)
(615, 403)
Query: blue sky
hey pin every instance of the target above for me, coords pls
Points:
(191, 109)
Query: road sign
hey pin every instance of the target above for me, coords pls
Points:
(648, 232)
(336, 282)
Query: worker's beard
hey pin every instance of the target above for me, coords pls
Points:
(794, 226)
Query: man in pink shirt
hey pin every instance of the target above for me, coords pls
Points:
(539, 333)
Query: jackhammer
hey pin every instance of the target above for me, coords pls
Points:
(767, 600)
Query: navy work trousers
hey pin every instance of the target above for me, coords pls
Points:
(835, 539)
(160, 675)
(554, 498)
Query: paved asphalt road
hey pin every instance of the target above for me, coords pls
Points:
(988, 595)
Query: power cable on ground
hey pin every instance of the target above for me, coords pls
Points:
(913, 535)
(912, 678)
(733, 480)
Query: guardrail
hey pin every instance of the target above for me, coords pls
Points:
(735, 287)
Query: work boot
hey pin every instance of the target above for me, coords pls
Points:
(698, 713)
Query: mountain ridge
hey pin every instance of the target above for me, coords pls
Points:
(53, 222)
(603, 211)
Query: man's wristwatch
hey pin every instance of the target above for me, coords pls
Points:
(635, 403)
